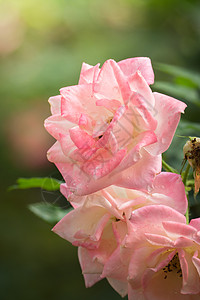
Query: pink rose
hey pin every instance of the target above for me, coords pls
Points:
(167, 189)
(98, 224)
(111, 128)
(159, 257)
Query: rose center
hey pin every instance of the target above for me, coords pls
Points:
(173, 266)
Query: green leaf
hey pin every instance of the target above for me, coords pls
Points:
(188, 77)
(45, 183)
(178, 91)
(49, 212)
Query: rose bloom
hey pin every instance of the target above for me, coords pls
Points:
(98, 223)
(159, 257)
(111, 128)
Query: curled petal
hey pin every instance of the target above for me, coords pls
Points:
(168, 112)
(139, 85)
(143, 64)
(57, 125)
(88, 73)
(88, 227)
(175, 229)
(159, 240)
(55, 104)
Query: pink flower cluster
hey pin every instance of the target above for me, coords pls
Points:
(128, 219)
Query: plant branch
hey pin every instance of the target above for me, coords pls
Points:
(168, 168)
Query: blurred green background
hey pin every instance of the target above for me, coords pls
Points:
(42, 46)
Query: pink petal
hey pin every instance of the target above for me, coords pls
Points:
(151, 217)
(168, 116)
(111, 83)
(85, 122)
(122, 82)
(116, 268)
(76, 180)
(88, 73)
(67, 146)
(191, 280)
(91, 269)
(80, 182)
(78, 100)
(55, 103)
(170, 185)
(135, 120)
(121, 287)
(143, 64)
(111, 105)
(136, 152)
(159, 256)
(98, 200)
(138, 265)
(56, 155)
(120, 230)
(183, 242)
(175, 229)
(64, 189)
(159, 240)
(72, 198)
(141, 174)
(57, 125)
(135, 203)
(139, 85)
(196, 262)
(103, 164)
(81, 139)
(144, 119)
(195, 223)
(106, 246)
(89, 223)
